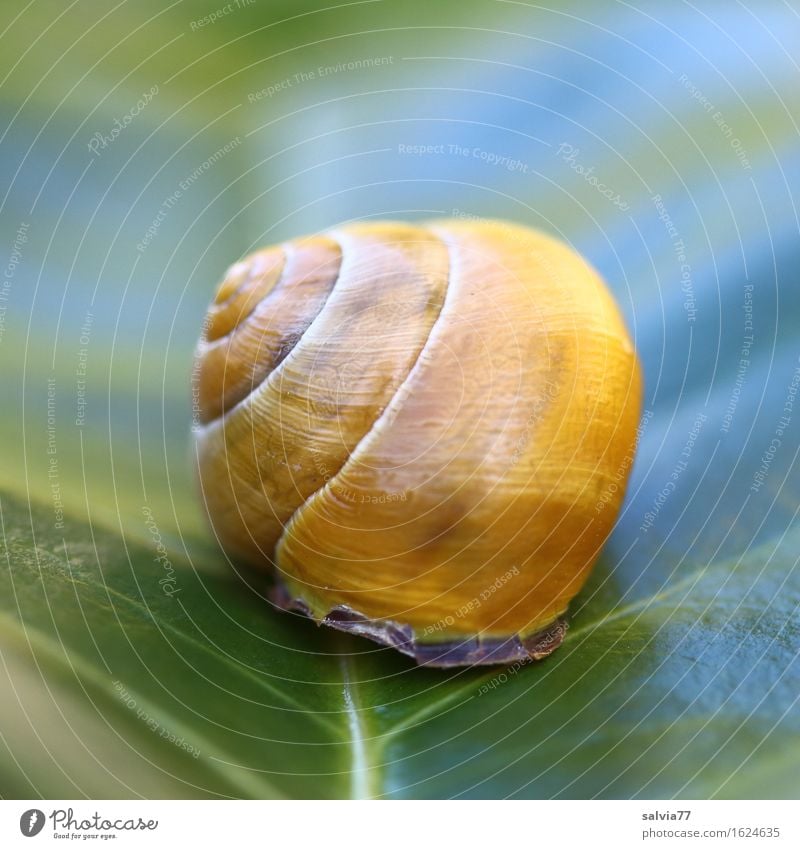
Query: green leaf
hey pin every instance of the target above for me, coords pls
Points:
(210, 692)
(135, 660)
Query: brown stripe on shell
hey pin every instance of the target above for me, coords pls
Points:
(245, 284)
(272, 451)
(231, 366)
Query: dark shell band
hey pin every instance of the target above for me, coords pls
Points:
(471, 651)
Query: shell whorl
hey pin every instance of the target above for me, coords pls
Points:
(428, 427)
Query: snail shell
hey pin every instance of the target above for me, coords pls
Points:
(424, 431)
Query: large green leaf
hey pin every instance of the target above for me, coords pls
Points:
(679, 675)
(654, 694)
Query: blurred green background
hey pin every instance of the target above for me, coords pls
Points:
(145, 146)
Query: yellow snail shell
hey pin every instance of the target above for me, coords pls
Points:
(423, 431)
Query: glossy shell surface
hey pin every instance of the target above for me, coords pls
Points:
(424, 431)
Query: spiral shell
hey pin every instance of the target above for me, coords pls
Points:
(423, 431)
